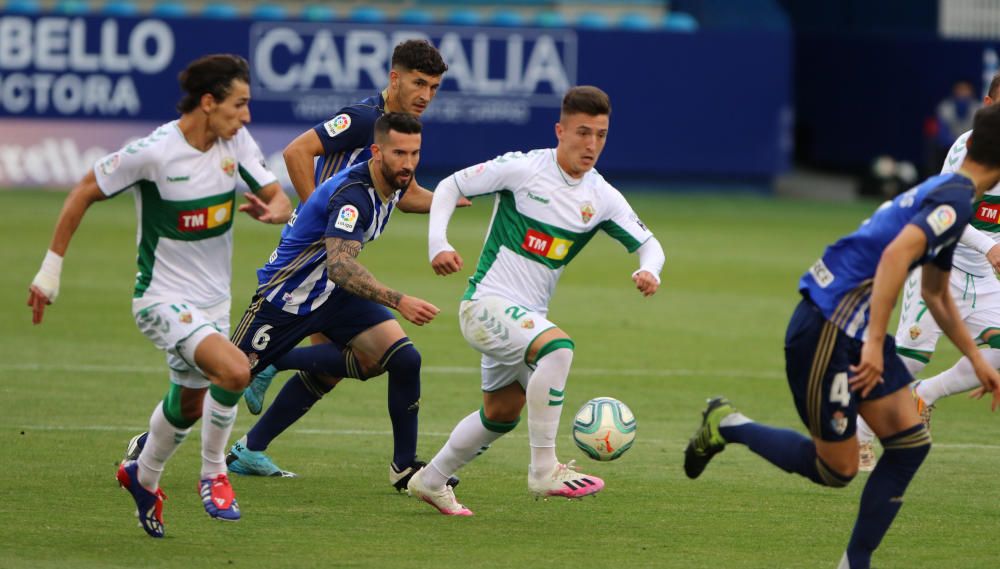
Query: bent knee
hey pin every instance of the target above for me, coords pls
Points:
(837, 475)
(499, 421)
(232, 376)
(402, 355)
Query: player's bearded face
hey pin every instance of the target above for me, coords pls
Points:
(227, 117)
(399, 159)
(581, 141)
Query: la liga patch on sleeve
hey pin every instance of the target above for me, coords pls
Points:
(941, 219)
(337, 125)
(347, 218)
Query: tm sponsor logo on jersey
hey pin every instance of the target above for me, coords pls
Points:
(941, 219)
(347, 218)
(205, 218)
(988, 212)
(546, 245)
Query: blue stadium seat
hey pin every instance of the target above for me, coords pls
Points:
(367, 15)
(551, 19)
(318, 13)
(508, 18)
(269, 12)
(415, 16)
(169, 10)
(593, 21)
(635, 21)
(462, 17)
(680, 22)
(120, 8)
(220, 11)
(72, 7)
(23, 7)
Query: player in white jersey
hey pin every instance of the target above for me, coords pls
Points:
(976, 291)
(183, 177)
(548, 204)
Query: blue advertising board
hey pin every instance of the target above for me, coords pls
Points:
(713, 104)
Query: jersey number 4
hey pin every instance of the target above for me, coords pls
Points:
(840, 391)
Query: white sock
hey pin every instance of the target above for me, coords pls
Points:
(545, 402)
(865, 433)
(216, 426)
(956, 379)
(469, 439)
(735, 420)
(161, 442)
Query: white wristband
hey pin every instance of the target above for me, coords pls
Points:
(650, 271)
(47, 279)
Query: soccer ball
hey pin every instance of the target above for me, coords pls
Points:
(604, 428)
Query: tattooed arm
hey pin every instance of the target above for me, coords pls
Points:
(345, 271)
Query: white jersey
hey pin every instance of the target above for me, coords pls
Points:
(184, 203)
(542, 218)
(985, 217)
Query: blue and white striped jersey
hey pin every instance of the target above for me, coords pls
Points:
(840, 283)
(346, 206)
(348, 136)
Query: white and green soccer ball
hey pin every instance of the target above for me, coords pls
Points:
(604, 428)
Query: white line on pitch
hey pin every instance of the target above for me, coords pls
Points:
(444, 370)
(364, 433)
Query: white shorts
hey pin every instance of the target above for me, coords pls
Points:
(978, 301)
(502, 331)
(177, 328)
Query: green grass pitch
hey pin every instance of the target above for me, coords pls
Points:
(73, 390)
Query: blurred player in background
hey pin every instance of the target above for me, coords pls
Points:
(183, 176)
(840, 361)
(549, 204)
(313, 157)
(976, 291)
(313, 283)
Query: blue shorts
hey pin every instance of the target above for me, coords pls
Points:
(265, 333)
(817, 358)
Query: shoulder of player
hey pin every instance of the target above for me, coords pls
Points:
(354, 188)
(954, 192)
(959, 144)
(359, 116)
(950, 184)
(164, 135)
(526, 163)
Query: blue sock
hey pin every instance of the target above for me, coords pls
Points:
(883, 494)
(402, 361)
(787, 449)
(293, 401)
(326, 359)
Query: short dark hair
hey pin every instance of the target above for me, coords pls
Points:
(418, 55)
(994, 86)
(984, 144)
(399, 122)
(213, 74)
(586, 99)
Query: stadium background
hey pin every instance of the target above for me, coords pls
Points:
(712, 98)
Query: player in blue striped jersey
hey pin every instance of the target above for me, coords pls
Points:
(839, 360)
(346, 138)
(313, 283)
(315, 156)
